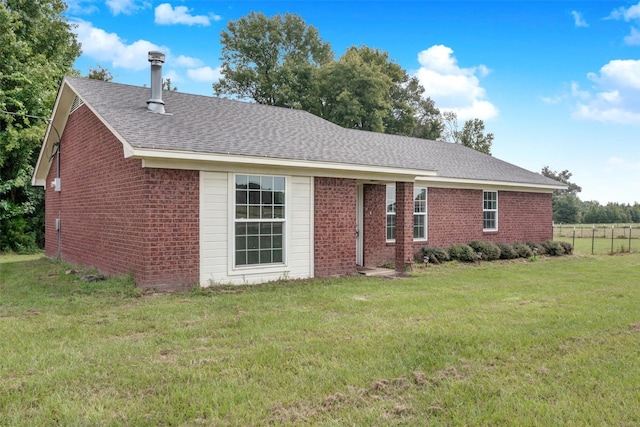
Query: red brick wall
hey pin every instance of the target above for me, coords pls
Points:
(335, 226)
(455, 216)
(118, 217)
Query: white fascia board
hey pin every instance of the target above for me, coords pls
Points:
(487, 184)
(58, 121)
(166, 159)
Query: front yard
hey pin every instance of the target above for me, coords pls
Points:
(552, 341)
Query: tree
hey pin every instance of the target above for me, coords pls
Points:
(563, 177)
(37, 49)
(167, 85)
(363, 90)
(472, 134)
(100, 73)
(272, 61)
(567, 209)
(429, 124)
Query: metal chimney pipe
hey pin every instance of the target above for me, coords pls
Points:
(155, 104)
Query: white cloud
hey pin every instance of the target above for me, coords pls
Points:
(578, 19)
(187, 62)
(126, 7)
(454, 88)
(109, 47)
(633, 38)
(626, 13)
(552, 99)
(615, 94)
(81, 7)
(204, 74)
(165, 14)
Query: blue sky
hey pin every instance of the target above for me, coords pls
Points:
(557, 83)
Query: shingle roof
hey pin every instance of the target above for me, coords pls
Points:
(203, 124)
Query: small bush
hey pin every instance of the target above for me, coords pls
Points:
(568, 247)
(523, 250)
(540, 249)
(489, 251)
(553, 248)
(436, 255)
(462, 252)
(507, 251)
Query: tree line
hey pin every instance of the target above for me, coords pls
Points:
(569, 209)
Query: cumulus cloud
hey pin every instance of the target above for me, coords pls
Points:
(633, 38)
(109, 47)
(187, 62)
(454, 88)
(126, 7)
(615, 96)
(165, 14)
(578, 19)
(81, 7)
(205, 74)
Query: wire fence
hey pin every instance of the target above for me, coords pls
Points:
(599, 238)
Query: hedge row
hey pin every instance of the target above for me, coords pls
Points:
(487, 251)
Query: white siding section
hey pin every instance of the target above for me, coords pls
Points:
(216, 233)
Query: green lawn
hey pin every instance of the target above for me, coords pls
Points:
(552, 341)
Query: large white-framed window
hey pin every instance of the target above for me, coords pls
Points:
(259, 220)
(489, 210)
(419, 213)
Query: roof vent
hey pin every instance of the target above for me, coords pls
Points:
(155, 104)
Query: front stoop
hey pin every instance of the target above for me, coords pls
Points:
(376, 271)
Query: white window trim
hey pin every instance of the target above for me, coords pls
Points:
(490, 210)
(425, 214)
(232, 269)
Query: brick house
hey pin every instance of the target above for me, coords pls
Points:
(183, 189)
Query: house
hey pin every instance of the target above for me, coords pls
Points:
(178, 189)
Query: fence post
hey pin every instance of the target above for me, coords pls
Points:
(612, 228)
(629, 238)
(593, 237)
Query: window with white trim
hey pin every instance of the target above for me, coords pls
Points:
(489, 210)
(259, 220)
(419, 213)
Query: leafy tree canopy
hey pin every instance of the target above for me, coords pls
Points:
(100, 73)
(563, 177)
(271, 60)
(37, 48)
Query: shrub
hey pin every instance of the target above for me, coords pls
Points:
(553, 248)
(568, 247)
(462, 252)
(523, 250)
(507, 251)
(540, 249)
(436, 255)
(489, 251)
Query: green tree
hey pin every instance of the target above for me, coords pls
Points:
(100, 73)
(37, 48)
(473, 136)
(272, 61)
(564, 177)
(567, 209)
(363, 90)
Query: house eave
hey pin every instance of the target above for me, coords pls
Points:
(169, 159)
(480, 184)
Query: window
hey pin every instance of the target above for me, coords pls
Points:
(490, 210)
(391, 212)
(259, 222)
(419, 213)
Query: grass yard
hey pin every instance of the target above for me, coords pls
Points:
(548, 342)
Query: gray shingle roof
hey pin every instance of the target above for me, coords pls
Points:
(203, 124)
